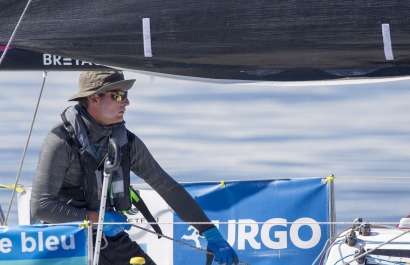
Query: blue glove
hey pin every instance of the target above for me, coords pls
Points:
(111, 230)
(223, 252)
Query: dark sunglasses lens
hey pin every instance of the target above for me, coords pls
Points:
(119, 95)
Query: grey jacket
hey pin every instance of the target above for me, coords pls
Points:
(58, 172)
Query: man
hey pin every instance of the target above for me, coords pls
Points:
(69, 173)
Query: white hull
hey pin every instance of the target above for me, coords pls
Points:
(368, 244)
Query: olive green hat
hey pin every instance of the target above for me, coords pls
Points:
(98, 82)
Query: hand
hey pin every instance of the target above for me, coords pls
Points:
(111, 230)
(223, 252)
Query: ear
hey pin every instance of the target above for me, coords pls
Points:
(93, 100)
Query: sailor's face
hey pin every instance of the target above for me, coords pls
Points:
(112, 107)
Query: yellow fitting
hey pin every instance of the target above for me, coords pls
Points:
(328, 179)
(19, 190)
(222, 183)
(137, 260)
(85, 224)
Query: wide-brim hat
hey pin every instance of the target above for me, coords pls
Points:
(99, 82)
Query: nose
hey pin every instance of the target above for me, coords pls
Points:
(126, 102)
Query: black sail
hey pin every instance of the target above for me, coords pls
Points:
(261, 40)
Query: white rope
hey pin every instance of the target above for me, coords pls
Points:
(14, 33)
(227, 223)
(372, 177)
(25, 149)
(261, 223)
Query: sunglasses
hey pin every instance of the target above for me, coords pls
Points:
(118, 95)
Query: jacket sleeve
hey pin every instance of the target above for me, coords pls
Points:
(53, 164)
(146, 167)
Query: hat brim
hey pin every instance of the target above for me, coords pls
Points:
(123, 84)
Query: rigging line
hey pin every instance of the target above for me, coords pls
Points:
(14, 33)
(180, 242)
(379, 224)
(25, 147)
(379, 246)
(372, 177)
(267, 222)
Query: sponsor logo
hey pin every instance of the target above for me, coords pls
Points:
(194, 236)
(54, 60)
(275, 233)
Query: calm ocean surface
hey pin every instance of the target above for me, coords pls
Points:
(209, 132)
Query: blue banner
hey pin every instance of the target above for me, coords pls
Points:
(43, 245)
(267, 222)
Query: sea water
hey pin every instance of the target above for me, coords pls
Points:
(202, 131)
